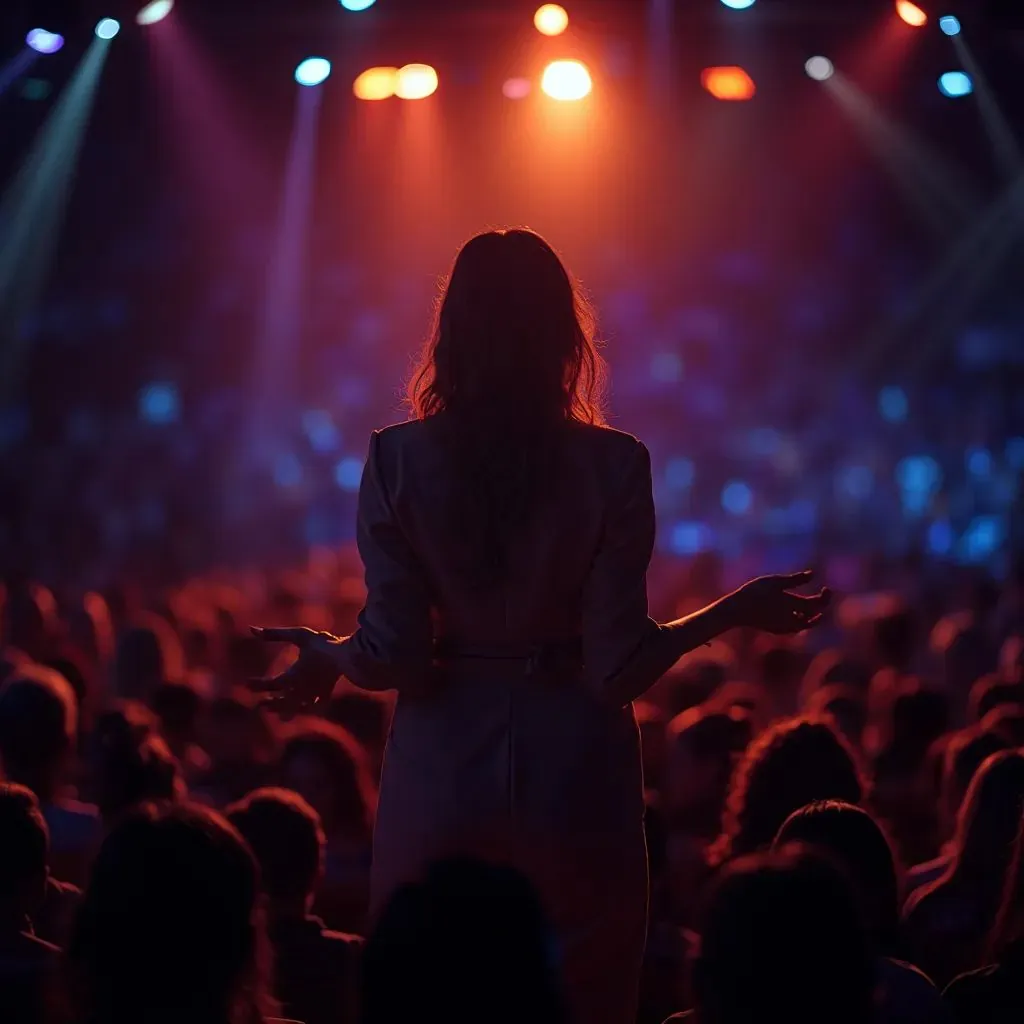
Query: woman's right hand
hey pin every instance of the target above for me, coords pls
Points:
(313, 676)
(769, 604)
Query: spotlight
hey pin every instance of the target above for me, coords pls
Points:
(516, 88)
(416, 82)
(107, 28)
(376, 84)
(911, 13)
(950, 25)
(154, 12)
(820, 69)
(312, 71)
(356, 5)
(738, 5)
(551, 20)
(955, 84)
(566, 80)
(730, 83)
(44, 42)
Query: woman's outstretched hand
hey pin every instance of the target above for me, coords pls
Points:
(768, 604)
(312, 677)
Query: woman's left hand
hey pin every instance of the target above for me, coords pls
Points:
(313, 676)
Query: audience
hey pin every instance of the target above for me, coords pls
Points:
(170, 927)
(315, 970)
(38, 737)
(468, 942)
(27, 962)
(781, 939)
(947, 922)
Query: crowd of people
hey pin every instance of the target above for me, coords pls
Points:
(834, 823)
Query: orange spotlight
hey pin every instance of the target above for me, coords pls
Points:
(376, 84)
(911, 13)
(566, 80)
(729, 83)
(416, 82)
(551, 20)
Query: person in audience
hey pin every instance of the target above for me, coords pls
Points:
(965, 753)
(1006, 722)
(170, 927)
(846, 706)
(179, 706)
(851, 837)
(365, 716)
(27, 962)
(833, 667)
(38, 735)
(781, 939)
(324, 764)
(703, 747)
(506, 536)
(948, 921)
(315, 970)
(994, 994)
(993, 691)
(789, 765)
(148, 653)
(467, 941)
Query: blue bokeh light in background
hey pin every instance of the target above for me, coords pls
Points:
(679, 473)
(356, 5)
(313, 71)
(44, 42)
(666, 367)
(982, 538)
(107, 28)
(319, 428)
(287, 470)
(690, 538)
(940, 538)
(892, 404)
(737, 497)
(739, 5)
(348, 472)
(950, 24)
(978, 462)
(159, 403)
(955, 84)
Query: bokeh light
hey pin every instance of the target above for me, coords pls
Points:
(376, 83)
(821, 69)
(911, 13)
(348, 472)
(950, 24)
(728, 83)
(159, 403)
(154, 12)
(356, 5)
(313, 71)
(44, 42)
(738, 5)
(892, 404)
(551, 20)
(955, 84)
(416, 82)
(566, 80)
(737, 498)
(107, 28)
(516, 88)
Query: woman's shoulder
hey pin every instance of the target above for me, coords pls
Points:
(606, 438)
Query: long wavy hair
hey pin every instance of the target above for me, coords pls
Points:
(512, 356)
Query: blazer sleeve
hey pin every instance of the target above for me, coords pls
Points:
(393, 646)
(616, 624)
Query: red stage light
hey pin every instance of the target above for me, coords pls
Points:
(729, 83)
(911, 13)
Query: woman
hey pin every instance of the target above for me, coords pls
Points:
(506, 536)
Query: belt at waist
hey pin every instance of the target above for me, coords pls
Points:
(543, 655)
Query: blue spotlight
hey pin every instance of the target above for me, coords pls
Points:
(44, 42)
(107, 28)
(313, 71)
(955, 84)
(950, 25)
(356, 5)
(738, 5)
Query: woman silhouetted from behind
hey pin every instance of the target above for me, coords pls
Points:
(506, 535)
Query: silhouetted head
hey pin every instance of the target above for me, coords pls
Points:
(781, 939)
(24, 855)
(178, 706)
(468, 942)
(168, 927)
(844, 705)
(38, 725)
(790, 765)
(989, 818)
(514, 338)
(329, 769)
(148, 654)
(853, 839)
(992, 691)
(965, 753)
(286, 836)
